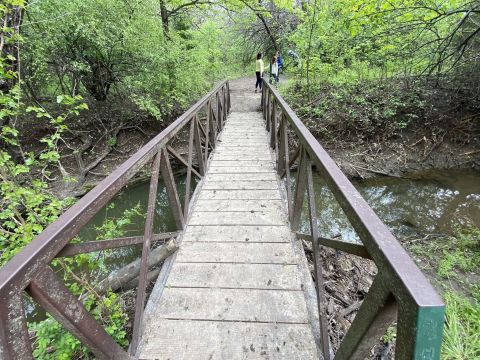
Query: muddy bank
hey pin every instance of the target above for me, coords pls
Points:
(402, 157)
(394, 127)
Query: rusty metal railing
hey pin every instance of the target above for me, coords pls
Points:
(400, 291)
(30, 271)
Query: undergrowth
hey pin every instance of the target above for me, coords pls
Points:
(454, 264)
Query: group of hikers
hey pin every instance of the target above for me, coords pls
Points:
(276, 64)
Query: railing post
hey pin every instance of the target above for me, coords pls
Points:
(224, 106)
(262, 101)
(219, 112)
(317, 264)
(273, 125)
(147, 238)
(287, 170)
(189, 167)
(198, 146)
(228, 98)
(281, 146)
(426, 341)
(213, 125)
(267, 110)
(300, 188)
(172, 194)
(14, 338)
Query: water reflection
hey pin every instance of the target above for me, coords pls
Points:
(430, 202)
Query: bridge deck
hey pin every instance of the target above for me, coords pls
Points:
(235, 289)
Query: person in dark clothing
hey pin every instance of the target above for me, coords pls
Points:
(280, 64)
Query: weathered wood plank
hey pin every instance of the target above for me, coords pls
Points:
(243, 163)
(238, 205)
(239, 176)
(264, 253)
(238, 218)
(239, 170)
(283, 306)
(185, 340)
(239, 195)
(236, 276)
(239, 233)
(249, 148)
(241, 185)
(236, 156)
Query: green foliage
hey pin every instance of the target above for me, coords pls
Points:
(52, 340)
(112, 49)
(27, 207)
(364, 112)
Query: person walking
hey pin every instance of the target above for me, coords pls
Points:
(274, 70)
(280, 65)
(259, 71)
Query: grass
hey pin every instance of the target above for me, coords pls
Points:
(453, 263)
(461, 340)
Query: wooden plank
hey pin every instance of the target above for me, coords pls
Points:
(238, 218)
(239, 177)
(239, 233)
(238, 205)
(236, 276)
(251, 148)
(183, 340)
(240, 195)
(243, 136)
(264, 253)
(283, 306)
(241, 185)
(239, 170)
(236, 156)
(242, 163)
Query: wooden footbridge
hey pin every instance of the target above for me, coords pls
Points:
(239, 287)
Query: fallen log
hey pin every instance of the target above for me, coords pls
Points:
(125, 276)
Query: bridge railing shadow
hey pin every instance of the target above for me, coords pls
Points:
(30, 271)
(400, 291)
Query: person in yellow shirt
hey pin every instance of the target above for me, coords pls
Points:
(259, 71)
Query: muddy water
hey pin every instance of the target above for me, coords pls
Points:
(428, 202)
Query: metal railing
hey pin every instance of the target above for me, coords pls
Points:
(400, 291)
(30, 271)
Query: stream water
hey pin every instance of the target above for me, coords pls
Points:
(429, 202)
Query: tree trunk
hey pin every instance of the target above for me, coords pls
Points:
(164, 16)
(122, 277)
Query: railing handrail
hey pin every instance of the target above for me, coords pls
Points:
(398, 273)
(389, 250)
(53, 239)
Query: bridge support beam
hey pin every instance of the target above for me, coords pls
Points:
(376, 314)
(14, 338)
(54, 297)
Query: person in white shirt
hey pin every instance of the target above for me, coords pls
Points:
(274, 70)
(259, 71)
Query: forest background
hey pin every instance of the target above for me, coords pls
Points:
(83, 84)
